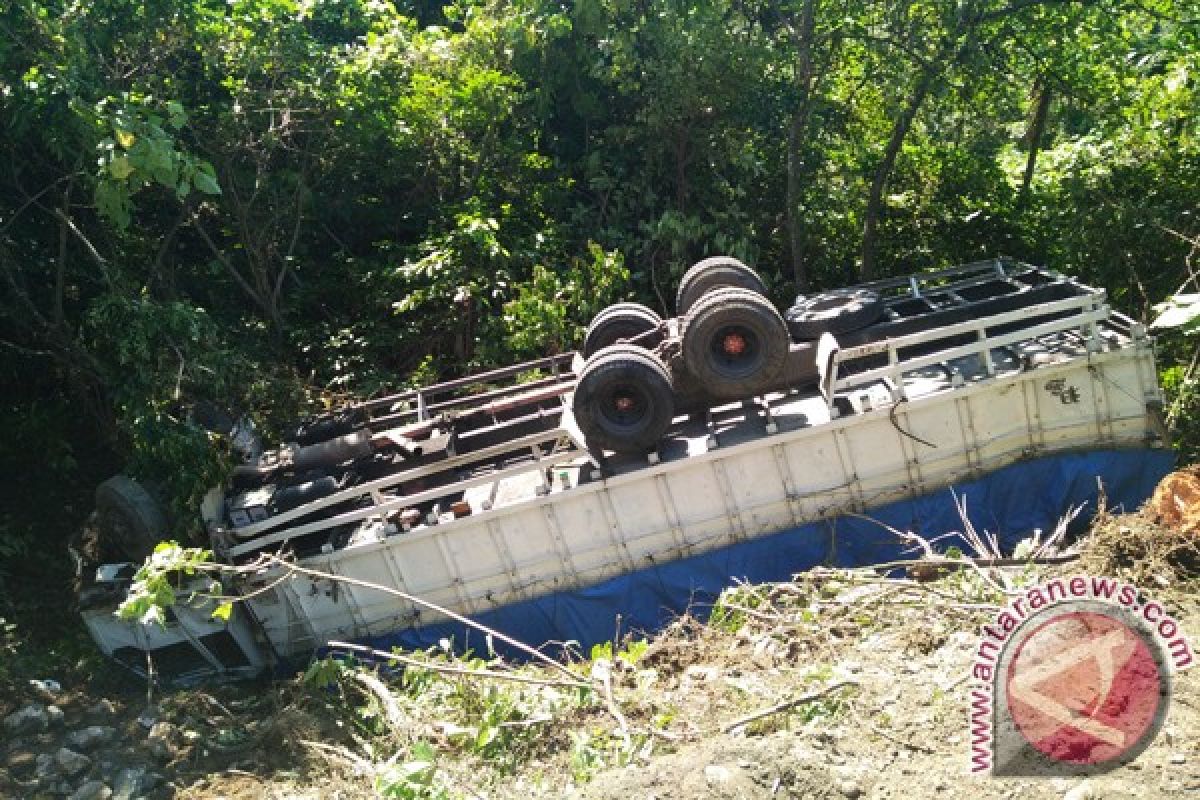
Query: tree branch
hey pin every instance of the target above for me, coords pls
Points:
(88, 247)
(225, 262)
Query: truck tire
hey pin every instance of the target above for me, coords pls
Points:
(836, 311)
(714, 273)
(734, 343)
(624, 399)
(622, 321)
(132, 522)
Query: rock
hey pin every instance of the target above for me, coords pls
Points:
(1080, 791)
(700, 673)
(91, 737)
(161, 740)
(72, 763)
(102, 709)
(30, 719)
(130, 782)
(716, 775)
(149, 717)
(20, 762)
(849, 789)
(55, 716)
(47, 690)
(46, 768)
(92, 790)
(1178, 758)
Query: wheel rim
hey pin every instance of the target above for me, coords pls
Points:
(625, 406)
(735, 351)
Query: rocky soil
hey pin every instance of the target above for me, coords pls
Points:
(60, 746)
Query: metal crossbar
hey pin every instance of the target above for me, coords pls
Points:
(406, 501)
(1085, 311)
(553, 436)
(553, 364)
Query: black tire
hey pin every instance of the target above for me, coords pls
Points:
(622, 321)
(624, 399)
(836, 311)
(132, 522)
(734, 343)
(714, 273)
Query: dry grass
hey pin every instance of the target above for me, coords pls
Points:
(1142, 550)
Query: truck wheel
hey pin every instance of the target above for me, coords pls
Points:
(836, 311)
(132, 522)
(622, 321)
(624, 399)
(714, 273)
(734, 343)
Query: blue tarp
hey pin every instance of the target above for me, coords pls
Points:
(1009, 503)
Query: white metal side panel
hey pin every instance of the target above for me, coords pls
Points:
(472, 551)
(655, 546)
(369, 606)
(872, 447)
(1066, 406)
(421, 560)
(698, 496)
(644, 521)
(586, 534)
(641, 517)
(530, 547)
(758, 491)
(999, 417)
(1127, 394)
(323, 603)
(823, 482)
(935, 422)
(704, 511)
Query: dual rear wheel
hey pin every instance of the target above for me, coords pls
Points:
(734, 343)
(624, 399)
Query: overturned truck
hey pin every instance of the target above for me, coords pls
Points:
(559, 498)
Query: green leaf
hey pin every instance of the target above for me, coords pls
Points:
(223, 612)
(120, 168)
(205, 183)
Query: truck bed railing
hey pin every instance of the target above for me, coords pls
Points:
(418, 405)
(1083, 313)
(545, 449)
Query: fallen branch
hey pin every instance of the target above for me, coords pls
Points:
(360, 764)
(451, 669)
(786, 705)
(602, 672)
(395, 717)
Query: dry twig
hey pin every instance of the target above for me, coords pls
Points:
(786, 705)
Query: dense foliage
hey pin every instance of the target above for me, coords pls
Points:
(261, 204)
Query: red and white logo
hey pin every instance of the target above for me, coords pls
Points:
(1084, 688)
(1072, 678)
